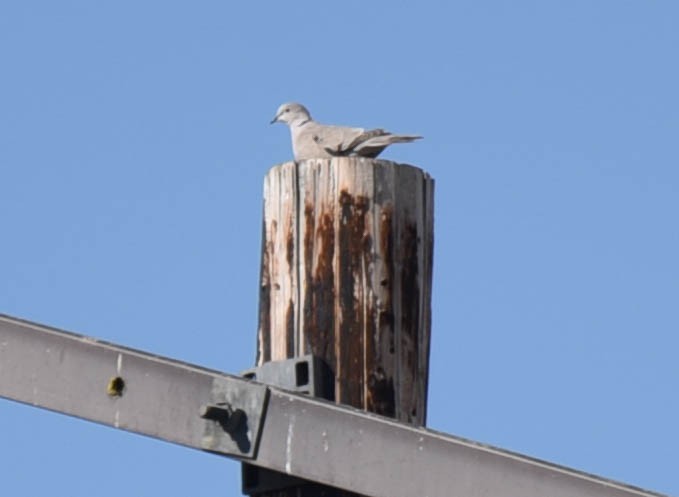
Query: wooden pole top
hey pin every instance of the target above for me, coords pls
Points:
(346, 276)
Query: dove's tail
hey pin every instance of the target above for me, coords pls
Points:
(374, 145)
(402, 138)
(387, 139)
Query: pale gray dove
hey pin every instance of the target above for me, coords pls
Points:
(312, 140)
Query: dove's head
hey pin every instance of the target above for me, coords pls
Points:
(291, 114)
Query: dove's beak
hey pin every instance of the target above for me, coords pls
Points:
(275, 119)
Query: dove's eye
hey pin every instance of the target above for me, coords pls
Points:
(287, 110)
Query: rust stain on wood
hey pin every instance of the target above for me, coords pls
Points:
(290, 330)
(386, 316)
(381, 395)
(354, 258)
(319, 299)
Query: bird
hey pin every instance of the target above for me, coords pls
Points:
(312, 140)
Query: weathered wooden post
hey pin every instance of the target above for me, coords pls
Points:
(346, 276)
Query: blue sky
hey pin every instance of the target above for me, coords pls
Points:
(134, 138)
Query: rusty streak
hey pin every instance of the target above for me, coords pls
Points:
(319, 299)
(353, 263)
(380, 385)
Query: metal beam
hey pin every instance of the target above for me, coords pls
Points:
(298, 435)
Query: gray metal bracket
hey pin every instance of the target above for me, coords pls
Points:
(306, 374)
(233, 419)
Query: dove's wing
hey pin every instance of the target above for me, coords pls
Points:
(314, 140)
(337, 140)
